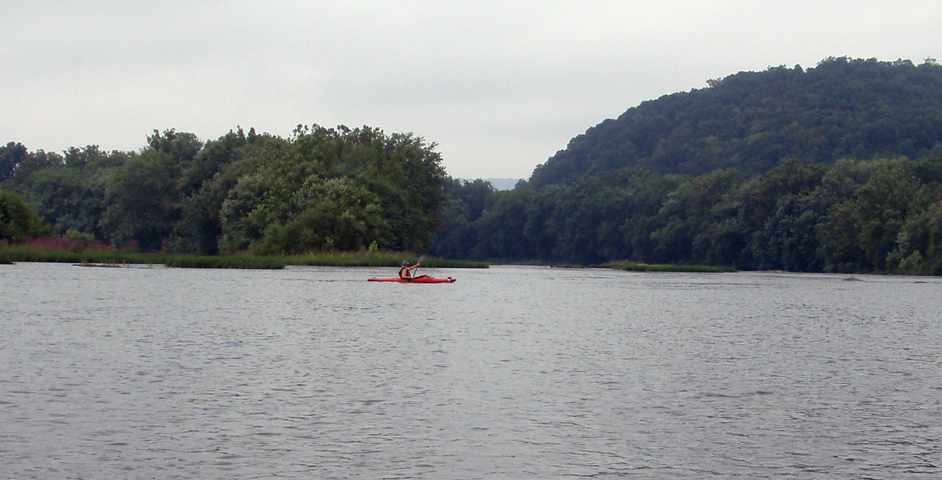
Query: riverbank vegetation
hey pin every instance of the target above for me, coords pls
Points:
(18, 253)
(321, 189)
(106, 257)
(18, 221)
(375, 259)
(837, 168)
(663, 267)
(881, 215)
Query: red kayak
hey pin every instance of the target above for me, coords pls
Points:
(422, 279)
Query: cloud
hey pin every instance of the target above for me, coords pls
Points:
(499, 85)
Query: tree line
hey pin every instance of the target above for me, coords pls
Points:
(788, 168)
(853, 216)
(835, 168)
(319, 189)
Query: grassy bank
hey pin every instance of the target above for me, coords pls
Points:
(231, 261)
(663, 267)
(21, 253)
(109, 257)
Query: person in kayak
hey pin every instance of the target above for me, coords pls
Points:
(407, 271)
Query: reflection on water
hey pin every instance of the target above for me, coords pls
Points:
(509, 373)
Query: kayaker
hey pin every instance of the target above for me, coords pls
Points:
(407, 270)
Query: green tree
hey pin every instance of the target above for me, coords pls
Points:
(336, 214)
(17, 220)
(205, 184)
(68, 199)
(885, 201)
(142, 201)
(687, 213)
(919, 243)
(788, 239)
(11, 155)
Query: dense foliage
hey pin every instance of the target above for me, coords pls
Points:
(843, 108)
(878, 215)
(320, 189)
(17, 220)
(783, 169)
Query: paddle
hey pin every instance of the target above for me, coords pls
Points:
(417, 263)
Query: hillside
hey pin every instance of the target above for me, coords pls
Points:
(835, 168)
(753, 120)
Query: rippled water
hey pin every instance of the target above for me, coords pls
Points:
(509, 373)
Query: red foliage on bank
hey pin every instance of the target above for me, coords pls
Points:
(62, 243)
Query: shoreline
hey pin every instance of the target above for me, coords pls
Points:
(112, 259)
(630, 266)
(116, 259)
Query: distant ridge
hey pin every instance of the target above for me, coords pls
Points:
(751, 121)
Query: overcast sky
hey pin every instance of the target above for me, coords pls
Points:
(500, 86)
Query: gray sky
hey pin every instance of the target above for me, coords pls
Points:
(499, 85)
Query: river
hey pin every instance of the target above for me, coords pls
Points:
(512, 372)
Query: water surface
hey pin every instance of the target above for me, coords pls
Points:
(512, 372)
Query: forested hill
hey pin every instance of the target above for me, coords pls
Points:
(842, 108)
(836, 168)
